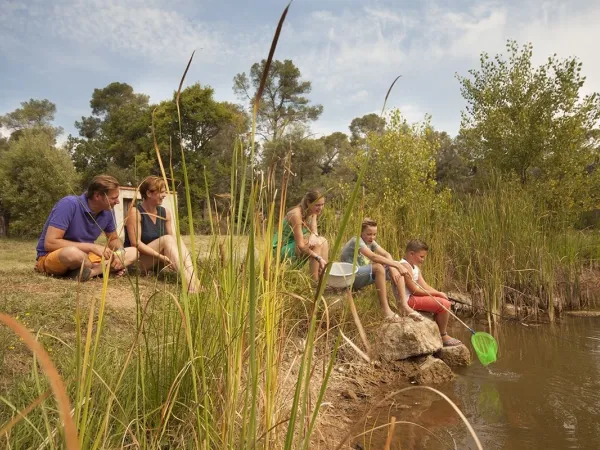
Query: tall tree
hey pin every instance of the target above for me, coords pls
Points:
(283, 104)
(360, 127)
(202, 119)
(520, 117)
(116, 138)
(534, 123)
(33, 176)
(335, 146)
(33, 114)
(305, 156)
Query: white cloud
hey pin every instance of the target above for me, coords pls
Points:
(148, 29)
(350, 51)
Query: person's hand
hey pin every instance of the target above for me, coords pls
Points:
(443, 294)
(403, 270)
(322, 264)
(313, 240)
(165, 260)
(101, 251)
(395, 275)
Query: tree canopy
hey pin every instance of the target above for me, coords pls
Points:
(33, 114)
(532, 122)
(284, 103)
(33, 176)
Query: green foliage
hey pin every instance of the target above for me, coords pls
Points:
(37, 114)
(361, 127)
(533, 122)
(116, 138)
(335, 146)
(452, 169)
(203, 119)
(33, 176)
(283, 103)
(401, 168)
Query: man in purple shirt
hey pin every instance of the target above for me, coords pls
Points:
(69, 234)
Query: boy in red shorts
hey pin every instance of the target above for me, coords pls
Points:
(420, 294)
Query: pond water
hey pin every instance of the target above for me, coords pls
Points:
(542, 393)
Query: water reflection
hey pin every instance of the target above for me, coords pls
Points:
(542, 393)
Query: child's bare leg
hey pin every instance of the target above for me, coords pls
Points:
(441, 319)
(379, 274)
(400, 296)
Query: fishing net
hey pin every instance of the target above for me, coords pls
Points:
(485, 347)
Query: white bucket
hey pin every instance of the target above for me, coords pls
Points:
(341, 275)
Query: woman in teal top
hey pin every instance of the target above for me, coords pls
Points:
(300, 238)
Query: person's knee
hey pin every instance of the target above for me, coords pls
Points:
(321, 242)
(71, 254)
(378, 269)
(168, 242)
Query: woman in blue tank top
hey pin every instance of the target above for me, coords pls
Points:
(150, 229)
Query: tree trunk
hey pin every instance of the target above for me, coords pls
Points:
(4, 221)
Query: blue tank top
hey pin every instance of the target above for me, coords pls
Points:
(150, 230)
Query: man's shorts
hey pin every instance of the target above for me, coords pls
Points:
(50, 264)
(364, 276)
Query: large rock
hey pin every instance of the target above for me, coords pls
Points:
(457, 356)
(406, 338)
(463, 303)
(432, 371)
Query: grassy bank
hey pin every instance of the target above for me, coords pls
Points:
(147, 366)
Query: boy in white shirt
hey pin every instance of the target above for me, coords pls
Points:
(420, 294)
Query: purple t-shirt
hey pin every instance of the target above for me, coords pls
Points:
(73, 215)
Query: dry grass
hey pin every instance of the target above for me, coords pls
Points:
(47, 304)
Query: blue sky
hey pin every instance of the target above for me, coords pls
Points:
(350, 50)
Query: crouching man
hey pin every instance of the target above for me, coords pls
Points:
(70, 232)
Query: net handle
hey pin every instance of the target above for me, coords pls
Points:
(454, 315)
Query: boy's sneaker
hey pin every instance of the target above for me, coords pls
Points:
(79, 275)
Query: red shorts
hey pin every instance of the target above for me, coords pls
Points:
(426, 303)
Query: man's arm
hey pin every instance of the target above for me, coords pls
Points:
(113, 241)
(54, 241)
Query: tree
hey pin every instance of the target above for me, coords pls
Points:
(452, 169)
(33, 176)
(310, 162)
(335, 145)
(3, 144)
(360, 127)
(401, 168)
(33, 114)
(116, 138)
(532, 122)
(283, 104)
(209, 130)
(113, 97)
(202, 119)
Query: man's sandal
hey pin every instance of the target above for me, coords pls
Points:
(78, 274)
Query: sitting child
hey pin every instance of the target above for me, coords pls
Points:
(375, 265)
(423, 297)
